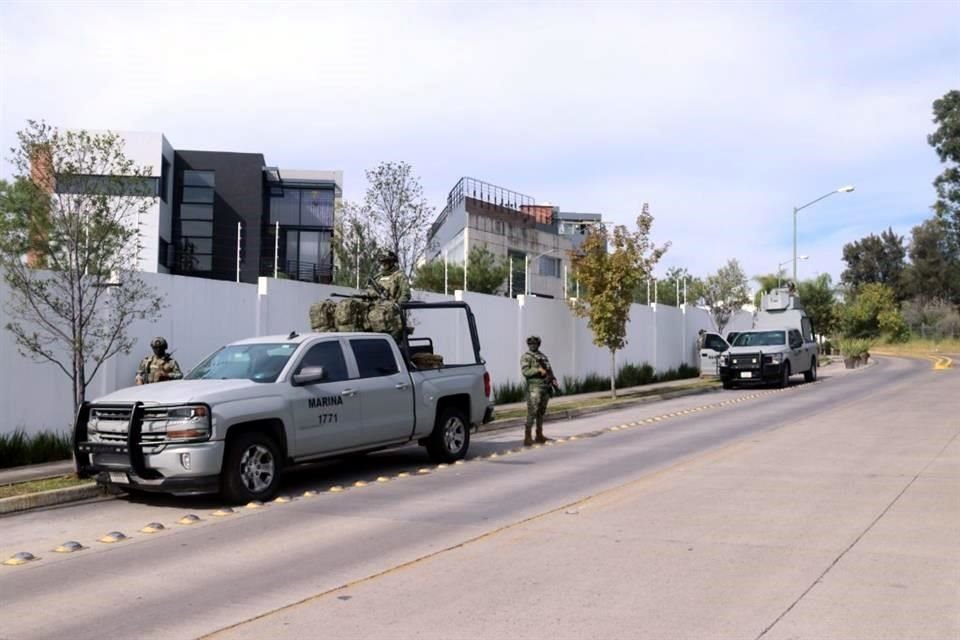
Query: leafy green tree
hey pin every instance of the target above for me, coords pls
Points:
(668, 286)
(819, 301)
(946, 141)
(766, 282)
(933, 272)
(486, 274)
(876, 259)
(725, 292)
(935, 319)
(610, 265)
(873, 313)
(69, 246)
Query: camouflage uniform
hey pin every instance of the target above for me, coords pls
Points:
(535, 367)
(388, 291)
(158, 367)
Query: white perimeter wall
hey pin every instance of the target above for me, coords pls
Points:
(201, 315)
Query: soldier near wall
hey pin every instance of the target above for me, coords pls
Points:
(159, 366)
(541, 383)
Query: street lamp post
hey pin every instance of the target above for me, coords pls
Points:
(796, 210)
(780, 268)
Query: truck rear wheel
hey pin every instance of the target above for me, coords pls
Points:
(811, 375)
(451, 436)
(251, 468)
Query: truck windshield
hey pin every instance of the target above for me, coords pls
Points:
(761, 339)
(257, 362)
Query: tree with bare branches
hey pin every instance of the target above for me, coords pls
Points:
(69, 244)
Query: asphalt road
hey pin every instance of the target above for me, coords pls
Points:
(823, 511)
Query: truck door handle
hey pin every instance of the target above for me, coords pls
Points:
(349, 393)
(401, 385)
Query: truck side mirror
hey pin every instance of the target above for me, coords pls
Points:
(309, 375)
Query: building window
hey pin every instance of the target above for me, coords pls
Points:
(195, 232)
(108, 185)
(303, 208)
(164, 178)
(164, 255)
(550, 266)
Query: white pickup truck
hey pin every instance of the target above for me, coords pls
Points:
(258, 405)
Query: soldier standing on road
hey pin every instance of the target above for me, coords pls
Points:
(535, 367)
(158, 367)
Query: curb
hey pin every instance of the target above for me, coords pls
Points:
(570, 414)
(54, 497)
(49, 498)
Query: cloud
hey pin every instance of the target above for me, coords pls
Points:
(723, 116)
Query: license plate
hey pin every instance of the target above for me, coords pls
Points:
(118, 477)
(746, 374)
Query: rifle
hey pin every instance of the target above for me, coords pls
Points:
(550, 378)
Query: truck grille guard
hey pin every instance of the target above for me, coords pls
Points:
(132, 447)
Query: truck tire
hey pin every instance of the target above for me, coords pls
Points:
(727, 384)
(811, 374)
(784, 375)
(251, 468)
(451, 436)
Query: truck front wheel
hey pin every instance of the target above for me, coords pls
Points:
(784, 375)
(811, 375)
(451, 436)
(251, 468)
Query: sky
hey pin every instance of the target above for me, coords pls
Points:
(722, 116)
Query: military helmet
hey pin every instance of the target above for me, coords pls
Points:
(533, 340)
(388, 256)
(159, 343)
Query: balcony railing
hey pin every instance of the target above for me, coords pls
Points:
(483, 191)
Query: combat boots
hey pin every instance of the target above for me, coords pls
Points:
(527, 439)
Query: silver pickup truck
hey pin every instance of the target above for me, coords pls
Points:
(258, 405)
(769, 355)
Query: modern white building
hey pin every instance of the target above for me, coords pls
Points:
(213, 208)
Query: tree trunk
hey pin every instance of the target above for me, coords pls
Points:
(613, 373)
(79, 386)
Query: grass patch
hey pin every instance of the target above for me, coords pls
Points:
(509, 392)
(35, 486)
(18, 448)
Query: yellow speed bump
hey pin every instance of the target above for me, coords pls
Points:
(223, 512)
(442, 466)
(254, 504)
(459, 462)
(423, 471)
(382, 479)
(189, 519)
(69, 547)
(942, 363)
(153, 527)
(335, 489)
(22, 557)
(406, 474)
(116, 536)
(360, 483)
(282, 499)
(309, 493)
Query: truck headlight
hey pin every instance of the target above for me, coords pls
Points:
(189, 422)
(775, 358)
(724, 359)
